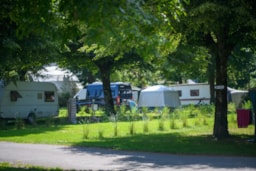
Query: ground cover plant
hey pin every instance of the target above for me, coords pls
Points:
(185, 130)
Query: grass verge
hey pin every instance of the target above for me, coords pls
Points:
(192, 138)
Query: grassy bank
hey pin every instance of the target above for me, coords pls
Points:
(165, 132)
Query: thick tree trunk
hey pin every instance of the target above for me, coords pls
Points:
(109, 104)
(221, 123)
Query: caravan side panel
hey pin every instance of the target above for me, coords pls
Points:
(24, 98)
(193, 93)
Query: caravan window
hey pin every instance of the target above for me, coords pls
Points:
(180, 93)
(194, 92)
(49, 96)
(14, 95)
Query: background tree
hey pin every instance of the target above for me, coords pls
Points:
(190, 61)
(242, 65)
(26, 36)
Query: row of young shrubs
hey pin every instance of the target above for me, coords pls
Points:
(141, 121)
(186, 116)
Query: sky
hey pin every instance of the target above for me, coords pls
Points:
(54, 73)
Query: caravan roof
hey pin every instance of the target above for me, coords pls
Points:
(156, 88)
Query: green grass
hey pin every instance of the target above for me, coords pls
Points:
(181, 139)
(182, 131)
(21, 167)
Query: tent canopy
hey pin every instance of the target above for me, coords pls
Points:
(159, 96)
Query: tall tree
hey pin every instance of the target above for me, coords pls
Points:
(223, 25)
(112, 31)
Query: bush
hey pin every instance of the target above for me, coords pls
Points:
(63, 99)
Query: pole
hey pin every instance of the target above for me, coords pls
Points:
(252, 94)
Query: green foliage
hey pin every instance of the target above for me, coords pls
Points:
(27, 37)
(247, 104)
(63, 99)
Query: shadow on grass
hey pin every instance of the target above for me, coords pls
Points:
(177, 143)
(11, 130)
(173, 151)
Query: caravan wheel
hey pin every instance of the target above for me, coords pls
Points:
(32, 118)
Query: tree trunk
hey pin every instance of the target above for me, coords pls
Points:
(221, 123)
(109, 104)
(211, 79)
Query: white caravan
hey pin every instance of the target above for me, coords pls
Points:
(198, 93)
(28, 100)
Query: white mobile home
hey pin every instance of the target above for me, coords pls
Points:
(28, 100)
(198, 93)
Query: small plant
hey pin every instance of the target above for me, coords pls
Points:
(198, 121)
(113, 118)
(166, 111)
(49, 121)
(132, 128)
(145, 123)
(86, 129)
(115, 129)
(185, 122)
(82, 111)
(172, 124)
(144, 110)
(205, 121)
(161, 122)
(100, 133)
(233, 118)
(247, 104)
(19, 123)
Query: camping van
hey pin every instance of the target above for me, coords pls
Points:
(198, 93)
(28, 100)
(94, 94)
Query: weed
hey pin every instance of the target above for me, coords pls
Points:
(19, 123)
(115, 129)
(86, 129)
(198, 121)
(49, 121)
(132, 128)
(172, 124)
(100, 133)
(161, 125)
(145, 123)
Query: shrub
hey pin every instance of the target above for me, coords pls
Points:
(63, 99)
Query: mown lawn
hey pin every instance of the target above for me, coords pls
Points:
(176, 135)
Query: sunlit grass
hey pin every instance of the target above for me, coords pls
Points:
(173, 132)
(23, 167)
